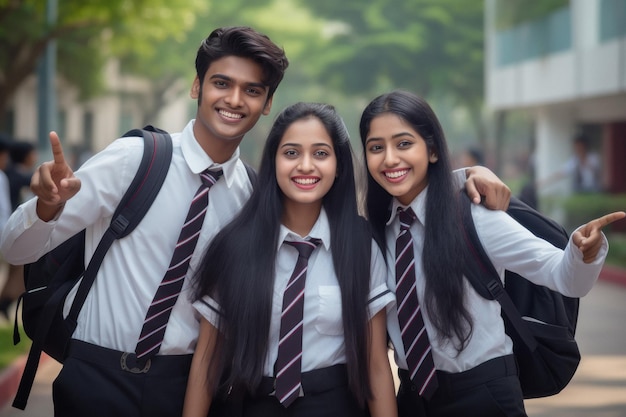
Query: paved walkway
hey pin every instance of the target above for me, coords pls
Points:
(598, 389)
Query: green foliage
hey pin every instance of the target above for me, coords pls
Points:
(430, 47)
(88, 33)
(8, 352)
(581, 208)
(510, 13)
(617, 250)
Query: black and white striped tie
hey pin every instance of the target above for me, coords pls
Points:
(414, 336)
(288, 366)
(158, 314)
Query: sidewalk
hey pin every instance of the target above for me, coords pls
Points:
(40, 403)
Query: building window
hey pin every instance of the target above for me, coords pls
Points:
(534, 39)
(612, 19)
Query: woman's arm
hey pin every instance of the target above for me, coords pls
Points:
(200, 384)
(383, 402)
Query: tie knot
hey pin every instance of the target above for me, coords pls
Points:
(210, 177)
(407, 217)
(305, 249)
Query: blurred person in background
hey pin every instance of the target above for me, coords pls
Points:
(584, 168)
(472, 156)
(17, 161)
(5, 212)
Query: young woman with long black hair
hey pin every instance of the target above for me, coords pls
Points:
(305, 194)
(461, 363)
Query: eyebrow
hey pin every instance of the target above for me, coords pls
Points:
(395, 136)
(298, 145)
(227, 78)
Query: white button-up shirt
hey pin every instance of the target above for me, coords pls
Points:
(132, 270)
(509, 246)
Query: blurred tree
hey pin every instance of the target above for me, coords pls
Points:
(430, 47)
(88, 33)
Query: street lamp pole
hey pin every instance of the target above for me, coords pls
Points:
(46, 96)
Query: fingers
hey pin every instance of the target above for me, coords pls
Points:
(42, 184)
(481, 181)
(497, 197)
(589, 237)
(608, 219)
(472, 192)
(54, 182)
(57, 149)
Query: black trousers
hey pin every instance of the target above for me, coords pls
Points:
(491, 389)
(101, 382)
(326, 394)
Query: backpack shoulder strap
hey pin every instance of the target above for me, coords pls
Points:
(146, 184)
(155, 163)
(483, 276)
(251, 173)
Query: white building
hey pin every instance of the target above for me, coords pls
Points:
(568, 71)
(89, 126)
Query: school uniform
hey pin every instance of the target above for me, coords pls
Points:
(482, 378)
(93, 380)
(324, 379)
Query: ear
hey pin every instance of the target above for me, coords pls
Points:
(433, 158)
(268, 106)
(195, 88)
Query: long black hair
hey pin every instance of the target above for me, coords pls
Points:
(238, 267)
(443, 266)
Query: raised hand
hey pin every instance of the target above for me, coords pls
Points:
(53, 182)
(588, 237)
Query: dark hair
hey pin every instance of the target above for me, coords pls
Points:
(443, 267)
(20, 150)
(243, 42)
(582, 139)
(244, 289)
(4, 145)
(476, 154)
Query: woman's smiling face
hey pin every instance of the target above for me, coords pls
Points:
(306, 164)
(397, 157)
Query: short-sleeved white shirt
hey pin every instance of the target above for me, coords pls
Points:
(323, 340)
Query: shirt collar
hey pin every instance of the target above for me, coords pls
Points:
(320, 230)
(198, 160)
(418, 205)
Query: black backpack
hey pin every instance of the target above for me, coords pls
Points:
(49, 279)
(541, 322)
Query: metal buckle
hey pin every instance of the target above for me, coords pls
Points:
(134, 369)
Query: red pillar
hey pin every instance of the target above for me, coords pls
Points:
(615, 157)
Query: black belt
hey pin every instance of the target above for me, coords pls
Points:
(173, 365)
(485, 372)
(313, 382)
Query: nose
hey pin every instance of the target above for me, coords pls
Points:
(391, 156)
(306, 164)
(233, 98)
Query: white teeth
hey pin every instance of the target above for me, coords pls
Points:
(396, 174)
(230, 115)
(306, 181)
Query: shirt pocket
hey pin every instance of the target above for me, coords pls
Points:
(329, 315)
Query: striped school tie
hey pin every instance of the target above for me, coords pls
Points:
(158, 314)
(288, 366)
(419, 357)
